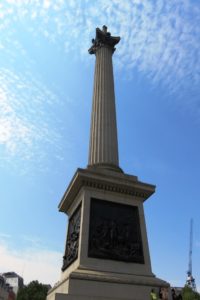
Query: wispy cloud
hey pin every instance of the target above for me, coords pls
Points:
(32, 263)
(26, 114)
(4, 236)
(159, 38)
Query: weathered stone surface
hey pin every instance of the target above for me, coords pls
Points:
(107, 254)
(107, 286)
(103, 134)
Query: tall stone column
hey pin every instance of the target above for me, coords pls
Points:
(103, 150)
(106, 252)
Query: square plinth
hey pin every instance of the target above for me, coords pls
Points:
(107, 254)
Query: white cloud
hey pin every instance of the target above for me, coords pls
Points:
(159, 38)
(4, 236)
(31, 263)
(27, 119)
(47, 3)
(12, 128)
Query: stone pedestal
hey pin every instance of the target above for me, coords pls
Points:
(107, 254)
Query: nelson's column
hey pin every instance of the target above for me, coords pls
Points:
(106, 254)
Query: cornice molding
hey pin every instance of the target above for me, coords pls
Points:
(113, 182)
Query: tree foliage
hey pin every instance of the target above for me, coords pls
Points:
(189, 294)
(33, 291)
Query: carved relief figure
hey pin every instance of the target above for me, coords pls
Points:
(72, 244)
(115, 232)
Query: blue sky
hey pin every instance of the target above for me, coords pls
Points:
(46, 77)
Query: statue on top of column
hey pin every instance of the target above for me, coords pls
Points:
(103, 38)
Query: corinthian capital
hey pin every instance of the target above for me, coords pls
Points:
(103, 39)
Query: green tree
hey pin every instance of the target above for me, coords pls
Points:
(33, 291)
(189, 294)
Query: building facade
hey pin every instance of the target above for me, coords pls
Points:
(14, 280)
(6, 291)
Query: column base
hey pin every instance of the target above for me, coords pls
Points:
(87, 285)
(104, 166)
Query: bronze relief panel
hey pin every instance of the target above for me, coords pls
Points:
(114, 232)
(72, 243)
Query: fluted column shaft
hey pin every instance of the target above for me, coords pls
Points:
(103, 133)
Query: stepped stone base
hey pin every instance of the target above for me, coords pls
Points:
(75, 297)
(88, 285)
(93, 277)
